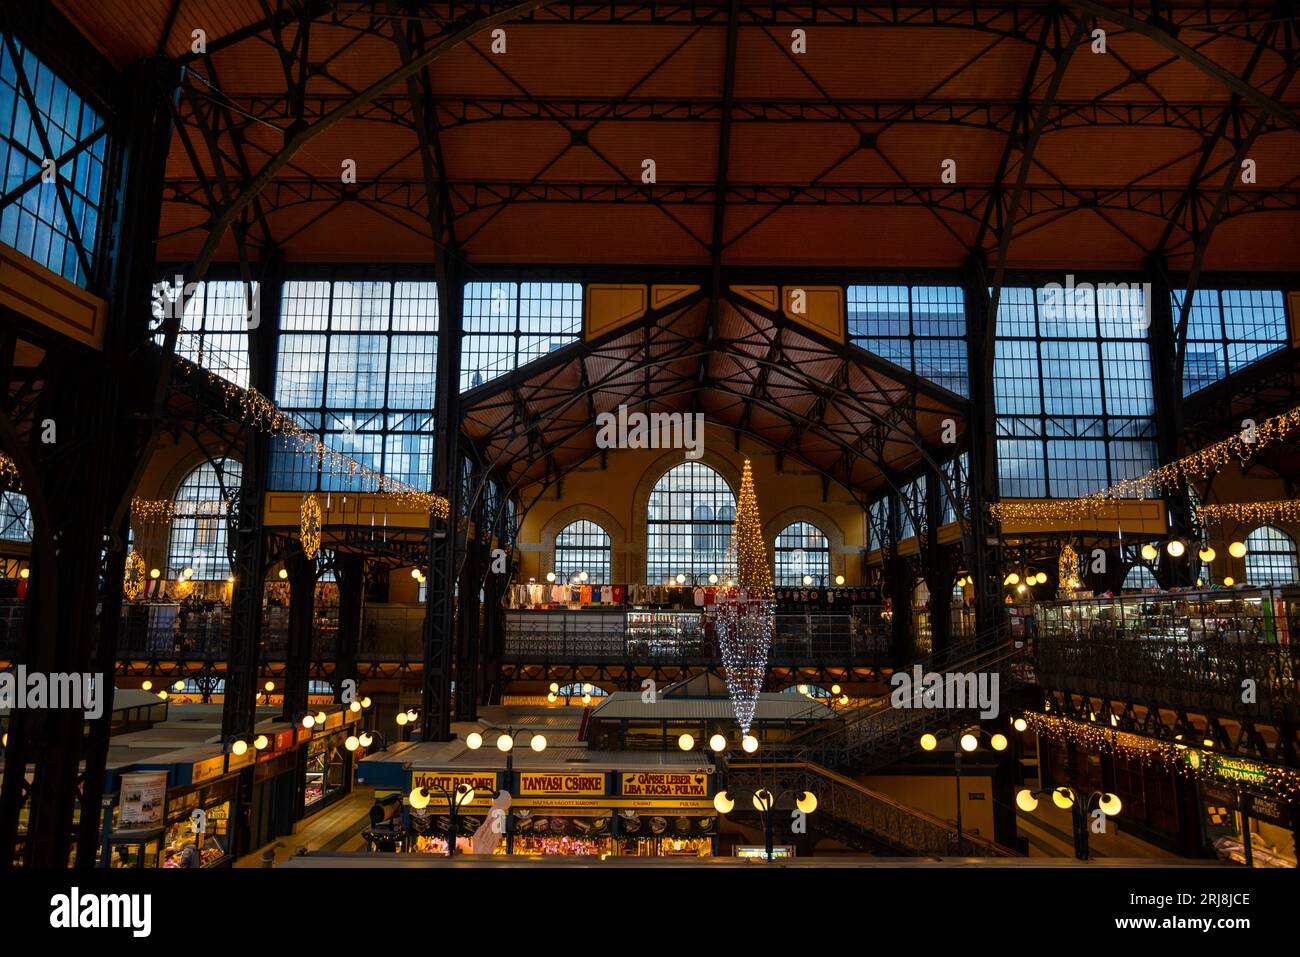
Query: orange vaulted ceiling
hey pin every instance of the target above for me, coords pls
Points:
(835, 156)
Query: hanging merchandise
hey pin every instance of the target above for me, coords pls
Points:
(746, 610)
(309, 521)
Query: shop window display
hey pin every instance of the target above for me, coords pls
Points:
(326, 769)
(206, 834)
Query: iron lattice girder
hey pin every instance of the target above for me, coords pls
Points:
(969, 201)
(454, 110)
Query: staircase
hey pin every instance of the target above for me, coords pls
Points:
(861, 818)
(876, 733)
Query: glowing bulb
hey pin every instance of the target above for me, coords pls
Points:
(555, 688)
(839, 579)
(969, 742)
(1175, 548)
(415, 573)
(239, 747)
(1230, 581)
(352, 742)
(718, 743)
(473, 740)
(550, 576)
(1207, 554)
(147, 685)
(537, 742)
(806, 802)
(365, 702)
(1149, 552)
(1020, 724)
(261, 742)
(763, 800)
(401, 720)
(162, 695)
(681, 579)
(367, 739)
(686, 742)
(1021, 589)
(1041, 578)
(929, 742)
(419, 798)
(1110, 804)
(1237, 549)
(998, 742)
(354, 707)
(188, 572)
(284, 573)
(582, 576)
(749, 743)
(505, 742)
(1013, 579)
(588, 689)
(713, 579)
(1026, 801)
(320, 717)
(844, 699)
(551, 697)
(269, 687)
(309, 721)
(807, 579)
(586, 699)
(1063, 798)
(722, 803)
(154, 573)
(835, 689)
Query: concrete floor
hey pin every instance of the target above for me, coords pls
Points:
(1048, 830)
(337, 828)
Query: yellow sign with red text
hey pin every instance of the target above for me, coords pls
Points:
(445, 782)
(538, 782)
(666, 784)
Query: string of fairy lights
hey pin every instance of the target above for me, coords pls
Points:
(1185, 760)
(1106, 503)
(1249, 512)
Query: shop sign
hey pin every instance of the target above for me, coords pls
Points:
(284, 740)
(536, 782)
(439, 782)
(1267, 809)
(666, 784)
(143, 794)
(1231, 769)
(333, 720)
(217, 765)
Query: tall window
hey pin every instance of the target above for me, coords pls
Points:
(911, 511)
(198, 533)
(582, 547)
(1139, 578)
(1227, 330)
(1072, 377)
(357, 363)
(878, 523)
(15, 517)
(1271, 559)
(921, 328)
(41, 119)
(688, 526)
(508, 324)
(214, 325)
(802, 549)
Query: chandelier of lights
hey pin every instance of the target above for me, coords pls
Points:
(309, 520)
(745, 609)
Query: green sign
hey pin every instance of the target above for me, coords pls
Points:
(1231, 769)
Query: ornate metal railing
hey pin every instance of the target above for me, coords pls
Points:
(1208, 675)
(881, 819)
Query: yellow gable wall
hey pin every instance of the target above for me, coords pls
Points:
(615, 497)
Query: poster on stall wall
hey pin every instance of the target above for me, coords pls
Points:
(143, 797)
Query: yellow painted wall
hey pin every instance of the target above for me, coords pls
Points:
(937, 795)
(615, 497)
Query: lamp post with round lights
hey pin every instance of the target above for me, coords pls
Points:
(1068, 799)
(765, 802)
(462, 795)
(239, 744)
(968, 741)
(364, 740)
(406, 721)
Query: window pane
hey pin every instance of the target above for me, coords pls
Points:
(688, 526)
(802, 550)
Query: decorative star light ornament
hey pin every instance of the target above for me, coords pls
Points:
(746, 607)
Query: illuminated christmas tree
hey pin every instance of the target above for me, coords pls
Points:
(753, 573)
(746, 612)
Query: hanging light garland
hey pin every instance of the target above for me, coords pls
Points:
(1249, 512)
(1198, 465)
(1067, 568)
(746, 610)
(1178, 758)
(134, 577)
(145, 510)
(309, 525)
(9, 472)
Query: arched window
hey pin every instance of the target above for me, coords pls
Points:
(582, 547)
(802, 550)
(688, 524)
(198, 536)
(1139, 578)
(1271, 557)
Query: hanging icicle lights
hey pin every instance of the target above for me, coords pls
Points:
(746, 610)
